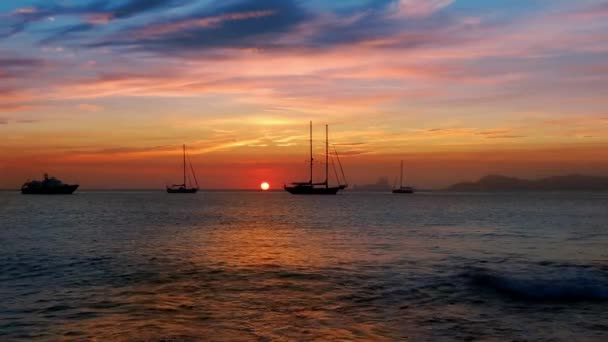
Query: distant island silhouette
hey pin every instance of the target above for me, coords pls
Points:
(557, 183)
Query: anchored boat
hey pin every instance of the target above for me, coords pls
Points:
(48, 186)
(183, 188)
(311, 188)
(403, 189)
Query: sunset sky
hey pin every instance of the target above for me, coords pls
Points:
(105, 92)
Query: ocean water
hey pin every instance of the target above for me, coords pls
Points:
(247, 266)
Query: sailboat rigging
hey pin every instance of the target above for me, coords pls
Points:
(183, 188)
(311, 188)
(403, 189)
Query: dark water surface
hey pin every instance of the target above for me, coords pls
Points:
(270, 266)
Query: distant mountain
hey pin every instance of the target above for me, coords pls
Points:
(381, 185)
(559, 183)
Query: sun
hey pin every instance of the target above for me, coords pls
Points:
(264, 186)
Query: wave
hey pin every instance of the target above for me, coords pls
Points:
(566, 287)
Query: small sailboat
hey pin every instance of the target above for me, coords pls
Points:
(311, 188)
(183, 188)
(403, 189)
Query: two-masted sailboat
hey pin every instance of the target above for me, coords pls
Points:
(183, 188)
(311, 188)
(403, 189)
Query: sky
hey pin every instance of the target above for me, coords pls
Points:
(104, 93)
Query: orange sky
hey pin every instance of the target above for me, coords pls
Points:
(246, 167)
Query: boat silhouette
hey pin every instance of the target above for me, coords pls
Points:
(183, 188)
(403, 189)
(311, 188)
(48, 186)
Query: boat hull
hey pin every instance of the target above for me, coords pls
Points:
(307, 190)
(403, 191)
(182, 191)
(60, 190)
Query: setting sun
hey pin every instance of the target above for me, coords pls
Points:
(264, 186)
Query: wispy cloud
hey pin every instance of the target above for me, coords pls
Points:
(420, 8)
(94, 12)
(19, 66)
(86, 107)
(237, 24)
(590, 12)
(202, 23)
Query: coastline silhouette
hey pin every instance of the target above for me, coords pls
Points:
(556, 183)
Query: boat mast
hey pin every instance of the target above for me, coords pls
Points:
(184, 148)
(311, 158)
(326, 156)
(401, 179)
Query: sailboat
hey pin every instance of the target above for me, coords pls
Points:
(183, 188)
(403, 189)
(311, 188)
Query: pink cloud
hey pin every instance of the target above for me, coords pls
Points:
(99, 18)
(15, 107)
(590, 13)
(420, 8)
(26, 10)
(89, 107)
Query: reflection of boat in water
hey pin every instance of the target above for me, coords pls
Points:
(311, 188)
(183, 188)
(48, 186)
(403, 189)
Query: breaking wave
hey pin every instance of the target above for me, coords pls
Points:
(565, 287)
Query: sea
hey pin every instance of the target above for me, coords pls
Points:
(253, 266)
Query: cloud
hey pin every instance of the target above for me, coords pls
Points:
(15, 93)
(136, 7)
(595, 11)
(5, 121)
(17, 67)
(99, 18)
(420, 8)
(506, 136)
(126, 150)
(261, 25)
(352, 153)
(27, 121)
(67, 32)
(94, 13)
(13, 99)
(494, 132)
(468, 133)
(237, 24)
(350, 144)
(85, 107)
(25, 10)
(202, 23)
(15, 107)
